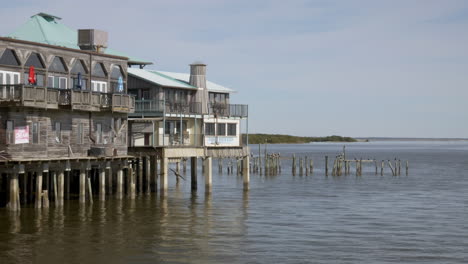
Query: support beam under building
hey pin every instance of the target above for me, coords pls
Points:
(193, 169)
(245, 172)
(208, 173)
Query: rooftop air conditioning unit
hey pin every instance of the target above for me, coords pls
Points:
(92, 39)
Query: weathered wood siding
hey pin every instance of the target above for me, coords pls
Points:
(48, 147)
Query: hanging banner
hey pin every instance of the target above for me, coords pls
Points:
(22, 135)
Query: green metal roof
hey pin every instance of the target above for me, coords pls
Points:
(158, 78)
(46, 28)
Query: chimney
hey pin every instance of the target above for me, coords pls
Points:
(198, 75)
(92, 39)
(198, 79)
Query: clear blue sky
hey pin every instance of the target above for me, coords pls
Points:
(354, 68)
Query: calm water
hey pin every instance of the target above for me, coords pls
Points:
(422, 218)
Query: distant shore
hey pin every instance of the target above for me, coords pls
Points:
(288, 139)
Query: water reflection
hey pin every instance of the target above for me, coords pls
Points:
(280, 219)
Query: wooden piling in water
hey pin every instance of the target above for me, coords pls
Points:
(407, 166)
(391, 167)
(326, 165)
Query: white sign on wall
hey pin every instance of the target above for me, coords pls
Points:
(22, 135)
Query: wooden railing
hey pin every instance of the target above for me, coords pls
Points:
(123, 103)
(42, 97)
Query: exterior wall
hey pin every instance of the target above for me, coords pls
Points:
(225, 140)
(48, 147)
(47, 54)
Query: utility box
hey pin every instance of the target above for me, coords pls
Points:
(92, 39)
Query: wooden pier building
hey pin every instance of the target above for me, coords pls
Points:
(74, 114)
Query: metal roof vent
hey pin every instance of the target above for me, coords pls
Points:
(92, 39)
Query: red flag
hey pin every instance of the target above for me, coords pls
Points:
(32, 75)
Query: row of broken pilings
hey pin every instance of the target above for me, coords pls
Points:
(342, 165)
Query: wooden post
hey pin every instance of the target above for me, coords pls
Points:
(90, 190)
(132, 181)
(147, 175)
(154, 173)
(14, 203)
(208, 173)
(140, 175)
(82, 186)
(54, 183)
(45, 199)
(102, 184)
(220, 165)
(163, 176)
(311, 167)
(119, 190)
(245, 173)
(326, 165)
(301, 166)
(391, 167)
(399, 167)
(38, 201)
(193, 170)
(60, 181)
(294, 165)
(407, 166)
(68, 183)
(24, 190)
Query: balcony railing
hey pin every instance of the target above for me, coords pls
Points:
(148, 107)
(228, 110)
(42, 97)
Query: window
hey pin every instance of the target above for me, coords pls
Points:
(173, 127)
(98, 86)
(79, 139)
(98, 133)
(98, 71)
(221, 129)
(116, 72)
(232, 129)
(209, 129)
(35, 132)
(58, 65)
(56, 82)
(76, 85)
(8, 77)
(39, 78)
(35, 60)
(78, 68)
(9, 58)
(58, 132)
(10, 134)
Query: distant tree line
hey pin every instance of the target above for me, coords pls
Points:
(288, 139)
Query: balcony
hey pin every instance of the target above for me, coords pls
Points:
(228, 110)
(52, 98)
(159, 107)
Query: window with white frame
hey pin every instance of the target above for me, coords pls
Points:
(8, 77)
(232, 129)
(56, 82)
(221, 129)
(99, 86)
